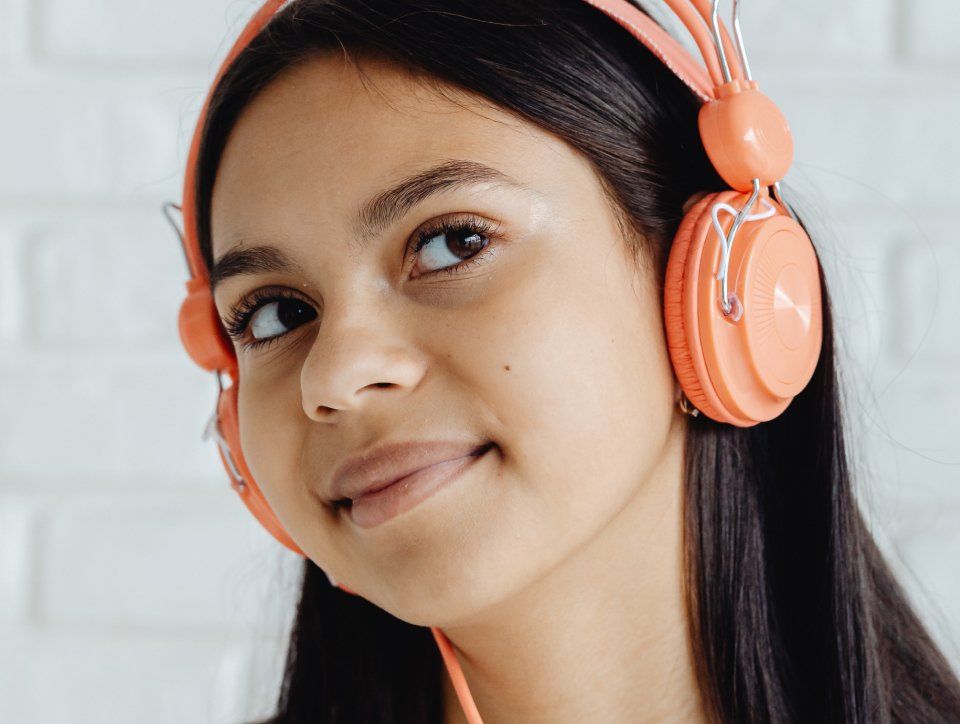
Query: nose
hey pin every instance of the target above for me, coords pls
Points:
(352, 360)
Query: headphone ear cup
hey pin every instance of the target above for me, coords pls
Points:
(249, 491)
(746, 369)
(199, 328)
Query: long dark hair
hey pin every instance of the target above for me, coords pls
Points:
(793, 612)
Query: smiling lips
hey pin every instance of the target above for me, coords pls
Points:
(384, 465)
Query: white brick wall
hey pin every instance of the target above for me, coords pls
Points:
(134, 582)
(144, 31)
(930, 31)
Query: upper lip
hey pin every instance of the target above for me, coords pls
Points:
(383, 465)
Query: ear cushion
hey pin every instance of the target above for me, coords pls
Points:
(249, 492)
(683, 342)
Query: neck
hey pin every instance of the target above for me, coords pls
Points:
(602, 637)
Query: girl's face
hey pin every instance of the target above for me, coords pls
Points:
(547, 341)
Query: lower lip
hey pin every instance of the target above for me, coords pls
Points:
(378, 507)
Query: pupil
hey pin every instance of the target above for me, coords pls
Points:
(466, 243)
(291, 312)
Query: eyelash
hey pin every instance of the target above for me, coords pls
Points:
(240, 314)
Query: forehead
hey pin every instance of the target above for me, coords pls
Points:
(330, 132)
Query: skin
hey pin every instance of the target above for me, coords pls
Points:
(554, 565)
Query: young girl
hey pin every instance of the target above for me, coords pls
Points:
(437, 236)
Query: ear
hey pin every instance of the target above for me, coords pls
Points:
(693, 199)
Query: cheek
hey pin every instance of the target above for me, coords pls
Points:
(585, 406)
(582, 415)
(271, 440)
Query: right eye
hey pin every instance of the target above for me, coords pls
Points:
(269, 316)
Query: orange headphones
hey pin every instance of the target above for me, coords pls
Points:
(744, 325)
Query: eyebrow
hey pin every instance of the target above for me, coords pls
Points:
(372, 217)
